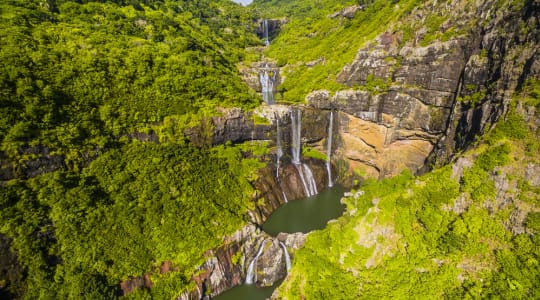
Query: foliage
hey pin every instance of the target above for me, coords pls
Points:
(314, 153)
(130, 209)
(310, 35)
(76, 74)
(432, 236)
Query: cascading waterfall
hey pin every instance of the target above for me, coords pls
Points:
(251, 276)
(279, 151)
(306, 176)
(311, 184)
(287, 257)
(329, 149)
(296, 124)
(279, 154)
(265, 32)
(267, 79)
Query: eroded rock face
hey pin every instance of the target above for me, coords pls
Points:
(227, 266)
(423, 103)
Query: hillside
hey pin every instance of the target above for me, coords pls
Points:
(140, 154)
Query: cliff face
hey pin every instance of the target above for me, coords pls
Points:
(418, 101)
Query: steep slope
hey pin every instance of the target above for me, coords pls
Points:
(414, 82)
(78, 74)
(466, 230)
(85, 205)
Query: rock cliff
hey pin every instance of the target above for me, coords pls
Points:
(415, 102)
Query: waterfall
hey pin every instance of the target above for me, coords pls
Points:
(287, 257)
(198, 292)
(251, 276)
(329, 149)
(306, 176)
(296, 124)
(304, 184)
(284, 196)
(265, 32)
(311, 184)
(279, 151)
(267, 78)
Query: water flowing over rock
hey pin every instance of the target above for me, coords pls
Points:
(304, 171)
(249, 256)
(265, 32)
(268, 29)
(267, 79)
(251, 275)
(329, 148)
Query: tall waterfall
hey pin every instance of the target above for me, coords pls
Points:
(265, 32)
(251, 276)
(296, 129)
(287, 257)
(279, 154)
(267, 78)
(306, 176)
(279, 151)
(329, 149)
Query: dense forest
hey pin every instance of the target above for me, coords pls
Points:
(77, 79)
(100, 184)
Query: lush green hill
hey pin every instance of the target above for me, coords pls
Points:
(467, 230)
(313, 46)
(77, 73)
(76, 78)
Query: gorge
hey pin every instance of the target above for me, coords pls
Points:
(324, 149)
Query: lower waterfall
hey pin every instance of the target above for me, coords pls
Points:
(251, 276)
(287, 257)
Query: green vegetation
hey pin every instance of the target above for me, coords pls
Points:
(76, 74)
(131, 209)
(314, 153)
(440, 235)
(78, 77)
(310, 34)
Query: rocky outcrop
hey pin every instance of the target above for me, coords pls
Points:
(228, 265)
(347, 12)
(424, 102)
(273, 27)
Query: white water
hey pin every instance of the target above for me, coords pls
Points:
(285, 197)
(265, 32)
(279, 151)
(287, 257)
(251, 276)
(303, 179)
(296, 129)
(199, 292)
(329, 149)
(267, 78)
(306, 176)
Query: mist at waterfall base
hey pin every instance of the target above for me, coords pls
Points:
(307, 214)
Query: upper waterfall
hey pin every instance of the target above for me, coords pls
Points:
(265, 32)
